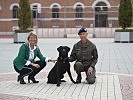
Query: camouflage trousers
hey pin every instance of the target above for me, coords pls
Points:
(90, 77)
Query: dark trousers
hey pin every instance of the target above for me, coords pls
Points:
(30, 70)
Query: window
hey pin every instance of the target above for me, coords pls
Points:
(55, 11)
(15, 11)
(35, 13)
(101, 6)
(79, 11)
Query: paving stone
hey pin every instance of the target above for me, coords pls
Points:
(115, 59)
(66, 90)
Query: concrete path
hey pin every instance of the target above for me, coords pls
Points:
(107, 87)
(114, 73)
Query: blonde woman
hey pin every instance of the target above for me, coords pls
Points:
(25, 63)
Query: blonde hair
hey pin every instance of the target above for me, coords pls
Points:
(32, 33)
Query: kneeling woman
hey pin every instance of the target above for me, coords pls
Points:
(24, 63)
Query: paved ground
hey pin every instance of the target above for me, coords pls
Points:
(114, 74)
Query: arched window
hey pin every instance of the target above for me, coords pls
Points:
(15, 11)
(79, 10)
(101, 6)
(35, 13)
(55, 11)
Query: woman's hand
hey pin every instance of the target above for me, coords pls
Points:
(35, 65)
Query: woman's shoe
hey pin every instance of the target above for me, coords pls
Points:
(18, 78)
(32, 79)
(22, 80)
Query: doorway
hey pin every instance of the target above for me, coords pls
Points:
(101, 15)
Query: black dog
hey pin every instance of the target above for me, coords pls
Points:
(61, 67)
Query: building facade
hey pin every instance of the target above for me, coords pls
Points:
(62, 14)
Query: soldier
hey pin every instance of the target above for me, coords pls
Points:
(85, 54)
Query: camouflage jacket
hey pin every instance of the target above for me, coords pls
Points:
(85, 53)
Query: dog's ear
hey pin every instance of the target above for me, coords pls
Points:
(67, 48)
(59, 48)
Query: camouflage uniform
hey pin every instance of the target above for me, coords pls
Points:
(85, 56)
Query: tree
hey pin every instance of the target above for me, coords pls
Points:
(125, 13)
(24, 15)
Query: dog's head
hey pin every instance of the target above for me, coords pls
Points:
(63, 51)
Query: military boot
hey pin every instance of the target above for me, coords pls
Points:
(78, 80)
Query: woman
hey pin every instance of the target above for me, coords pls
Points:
(25, 63)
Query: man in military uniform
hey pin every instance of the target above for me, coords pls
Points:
(85, 54)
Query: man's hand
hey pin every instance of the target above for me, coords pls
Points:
(35, 65)
(90, 69)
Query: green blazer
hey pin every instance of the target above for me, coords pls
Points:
(23, 56)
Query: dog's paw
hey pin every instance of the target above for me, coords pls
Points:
(58, 85)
